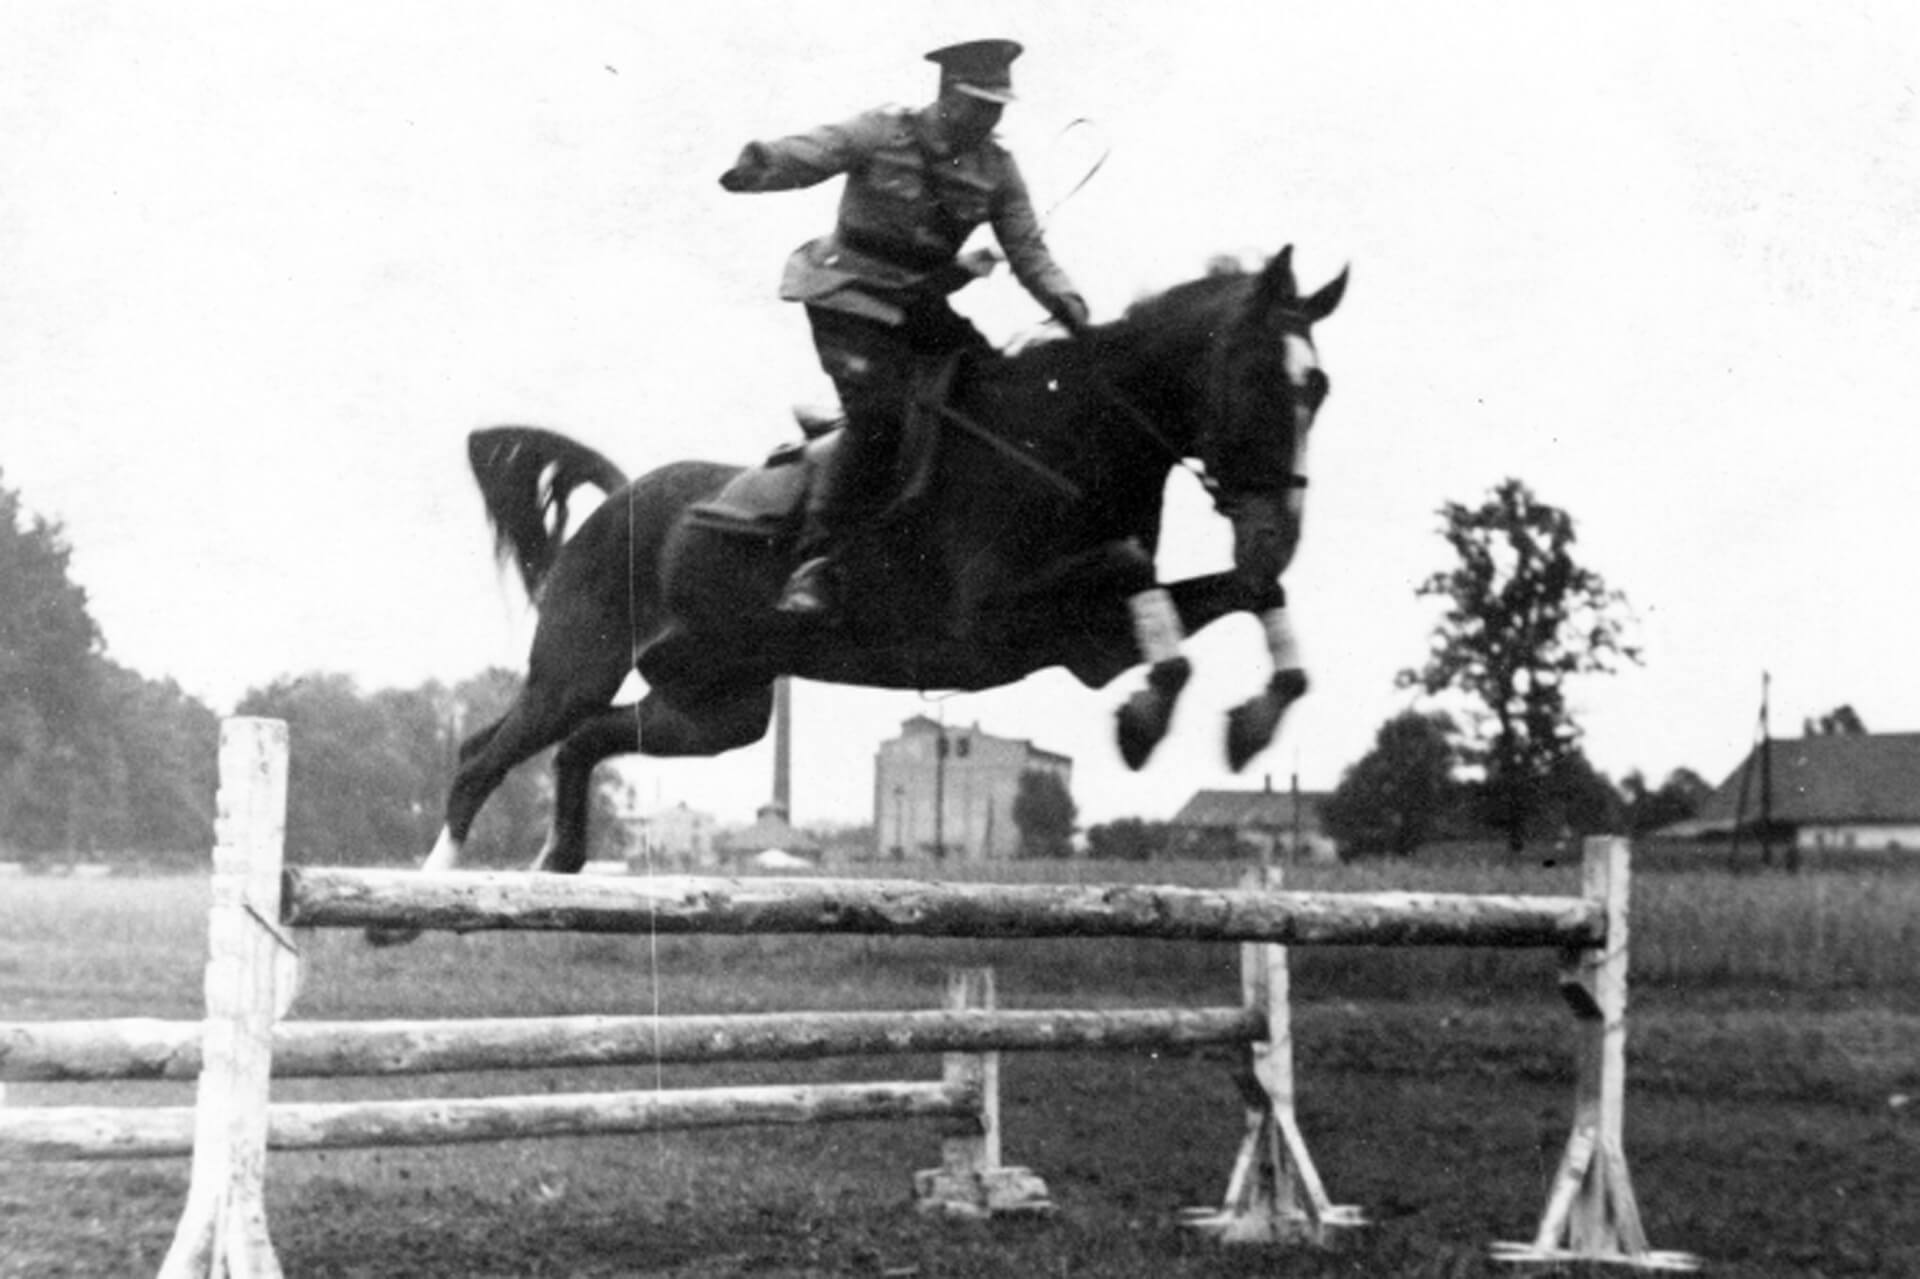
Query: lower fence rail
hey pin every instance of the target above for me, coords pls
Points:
(122, 1132)
(143, 1048)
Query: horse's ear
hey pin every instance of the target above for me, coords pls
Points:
(1277, 285)
(1321, 304)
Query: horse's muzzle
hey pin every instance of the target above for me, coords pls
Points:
(1266, 532)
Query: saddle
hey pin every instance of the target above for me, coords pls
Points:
(769, 502)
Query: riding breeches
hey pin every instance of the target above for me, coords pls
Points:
(875, 367)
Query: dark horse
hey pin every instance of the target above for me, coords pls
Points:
(1030, 545)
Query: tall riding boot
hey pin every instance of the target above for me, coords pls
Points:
(843, 495)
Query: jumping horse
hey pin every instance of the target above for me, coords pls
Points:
(1029, 543)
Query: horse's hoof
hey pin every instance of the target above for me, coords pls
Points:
(1252, 724)
(1140, 729)
(1250, 728)
(1145, 716)
(1287, 687)
(383, 937)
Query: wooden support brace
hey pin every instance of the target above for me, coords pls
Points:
(1591, 1213)
(971, 1181)
(1274, 1193)
(252, 973)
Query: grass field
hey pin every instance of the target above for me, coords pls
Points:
(1775, 1035)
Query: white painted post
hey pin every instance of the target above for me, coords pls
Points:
(1274, 1193)
(971, 1181)
(251, 977)
(1591, 1212)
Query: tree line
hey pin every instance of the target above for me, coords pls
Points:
(98, 762)
(94, 758)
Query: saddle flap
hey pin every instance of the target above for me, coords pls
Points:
(767, 501)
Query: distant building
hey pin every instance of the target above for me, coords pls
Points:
(771, 832)
(1859, 791)
(949, 791)
(680, 837)
(1231, 823)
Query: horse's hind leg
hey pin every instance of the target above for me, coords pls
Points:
(662, 724)
(535, 721)
(613, 731)
(447, 848)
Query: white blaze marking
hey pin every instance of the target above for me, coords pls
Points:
(1301, 360)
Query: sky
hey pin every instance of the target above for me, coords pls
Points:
(266, 264)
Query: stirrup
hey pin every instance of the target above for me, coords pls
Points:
(808, 592)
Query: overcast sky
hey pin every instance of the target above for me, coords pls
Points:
(266, 264)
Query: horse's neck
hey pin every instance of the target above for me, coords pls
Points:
(1102, 420)
(1160, 375)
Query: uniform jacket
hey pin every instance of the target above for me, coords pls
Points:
(904, 213)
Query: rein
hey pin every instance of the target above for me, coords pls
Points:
(1151, 429)
(1137, 417)
(1012, 452)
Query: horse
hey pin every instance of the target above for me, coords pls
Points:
(1030, 545)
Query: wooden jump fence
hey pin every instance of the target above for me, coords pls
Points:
(1273, 1191)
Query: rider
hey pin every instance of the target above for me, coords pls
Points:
(918, 183)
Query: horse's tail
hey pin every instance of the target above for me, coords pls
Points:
(526, 477)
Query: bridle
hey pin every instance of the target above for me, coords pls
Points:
(1223, 501)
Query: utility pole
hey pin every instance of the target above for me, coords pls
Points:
(940, 790)
(783, 747)
(1766, 772)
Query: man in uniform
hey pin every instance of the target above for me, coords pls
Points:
(918, 182)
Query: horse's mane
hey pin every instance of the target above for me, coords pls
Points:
(1200, 299)
(1195, 308)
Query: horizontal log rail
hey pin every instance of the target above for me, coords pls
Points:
(463, 901)
(144, 1048)
(120, 1132)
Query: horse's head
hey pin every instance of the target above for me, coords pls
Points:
(1266, 385)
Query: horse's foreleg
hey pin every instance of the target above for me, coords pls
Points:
(661, 725)
(1252, 724)
(1157, 630)
(614, 731)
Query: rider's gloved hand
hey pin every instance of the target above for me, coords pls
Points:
(979, 263)
(1071, 310)
(751, 164)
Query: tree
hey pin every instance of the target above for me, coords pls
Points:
(1841, 721)
(355, 772)
(50, 708)
(1522, 617)
(1678, 798)
(165, 750)
(1578, 799)
(1394, 798)
(1129, 839)
(1045, 814)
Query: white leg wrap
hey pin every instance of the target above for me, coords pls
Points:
(1156, 625)
(1280, 641)
(445, 854)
